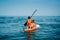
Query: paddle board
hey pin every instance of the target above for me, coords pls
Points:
(33, 29)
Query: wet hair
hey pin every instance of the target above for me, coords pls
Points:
(29, 17)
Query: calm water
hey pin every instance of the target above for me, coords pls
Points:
(11, 28)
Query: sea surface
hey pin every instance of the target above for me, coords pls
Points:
(11, 28)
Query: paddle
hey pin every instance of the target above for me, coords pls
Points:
(31, 17)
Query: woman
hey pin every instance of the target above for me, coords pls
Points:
(29, 22)
(32, 26)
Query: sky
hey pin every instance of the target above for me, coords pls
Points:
(27, 7)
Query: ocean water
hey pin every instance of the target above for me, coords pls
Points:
(11, 28)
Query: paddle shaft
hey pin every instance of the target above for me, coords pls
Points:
(33, 13)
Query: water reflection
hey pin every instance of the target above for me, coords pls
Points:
(29, 36)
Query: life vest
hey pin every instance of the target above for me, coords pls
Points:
(29, 23)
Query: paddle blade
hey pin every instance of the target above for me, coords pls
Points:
(25, 24)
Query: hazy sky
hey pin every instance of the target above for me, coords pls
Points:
(26, 7)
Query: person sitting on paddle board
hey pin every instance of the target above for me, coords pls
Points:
(31, 26)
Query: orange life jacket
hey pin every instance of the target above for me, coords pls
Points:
(29, 23)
